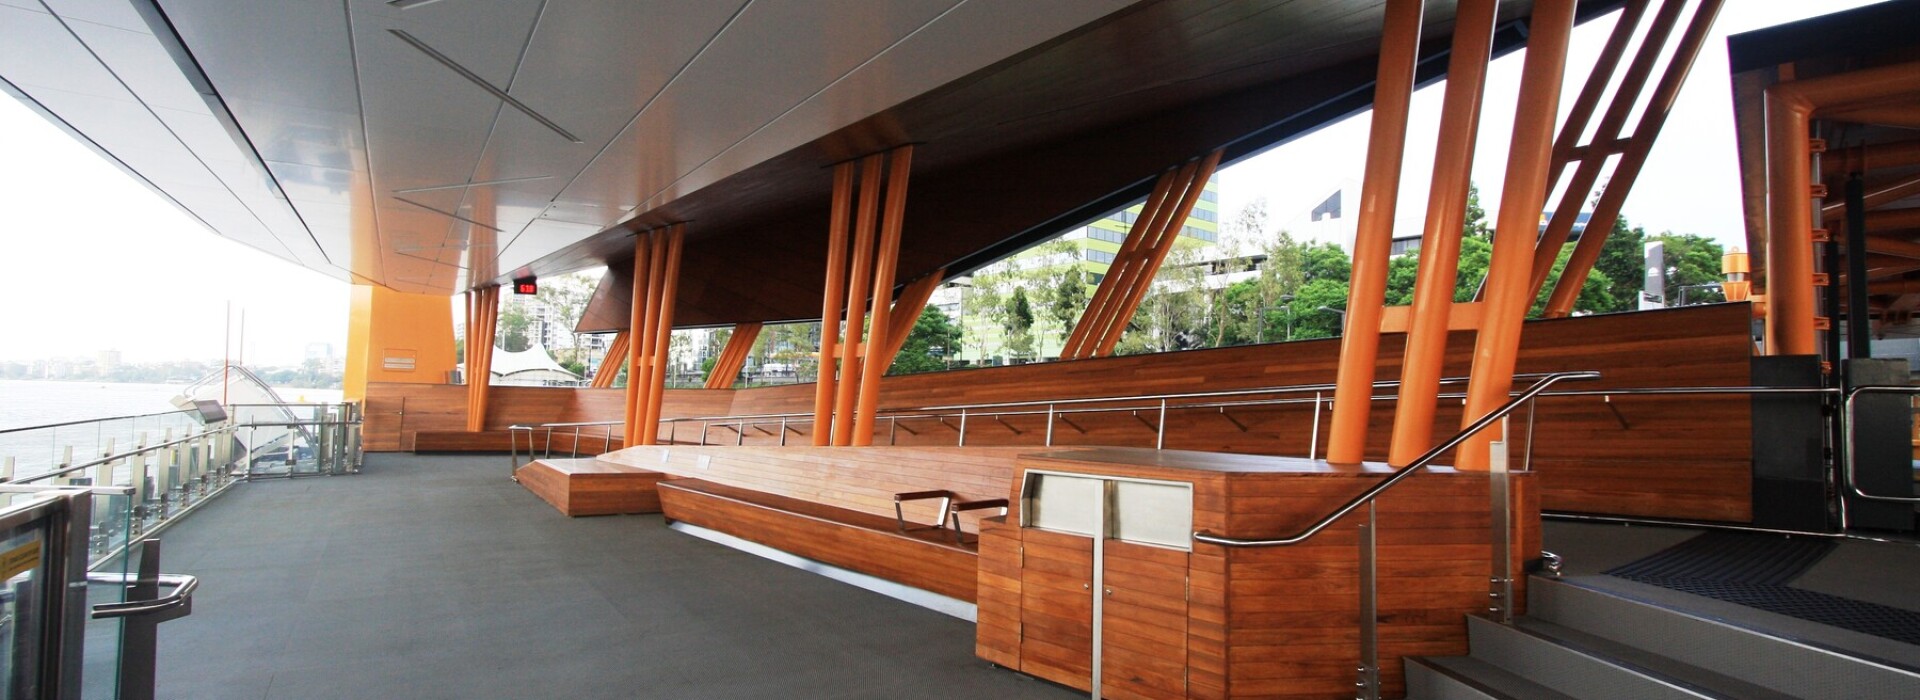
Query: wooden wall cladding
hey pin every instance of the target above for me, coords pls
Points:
(397, 413)
(1659, 456)
(1271, 622)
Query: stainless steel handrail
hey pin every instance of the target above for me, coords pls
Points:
(200, 436)
(1402, 473)
(183, 586)
(92, 420)
(1847, 425)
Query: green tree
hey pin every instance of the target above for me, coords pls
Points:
(1018, 323)
(511, 335)
(933, 339)
(1623, 261)
(1692, 261)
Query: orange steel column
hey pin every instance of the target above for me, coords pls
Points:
(899, 164)
(733, 356)
(1790, 299)
(1529, 160)
(1605, 211)
(636, 353)
(1596, 85)
(1176, 221)
(862, 268)
(1102, 294)
(1125, 272)
(480, 355)
(610, 362)
(663, 331)
(823, 388)
(906, 311)
(1373, 233)
(1440, 245)
(1560, 226)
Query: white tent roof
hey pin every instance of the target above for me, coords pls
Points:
(533, 358)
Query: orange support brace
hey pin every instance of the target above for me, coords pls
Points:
(823, 388)
(899, 165)
(865, 223)
(636, 346)
(1077, 340)
(1529, 161)
(1170, 229)
(1125, 272)
(671, 243)
(1560, 225)
(726, 368)
(906, 311)
(485, 303)
(1603, 67)
(1373, 233)
(1600, 225)
(1440, 245)
(610, 362)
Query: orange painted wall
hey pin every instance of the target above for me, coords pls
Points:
(386, 329)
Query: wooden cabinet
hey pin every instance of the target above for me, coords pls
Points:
(1143, 614)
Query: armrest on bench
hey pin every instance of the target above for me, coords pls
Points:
(900, 516)
(954, 509)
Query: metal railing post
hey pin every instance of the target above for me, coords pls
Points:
(1160, 430)
(1368, 685)
(963, 428)
(513, 452)
(1313, 440)
(1049, 425)
(704, 427)
(893, 431)
(1499, 488)
(575, 452)
(740, 434)
(783, 431)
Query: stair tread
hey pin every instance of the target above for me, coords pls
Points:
(1488, 678)
(1649, 663)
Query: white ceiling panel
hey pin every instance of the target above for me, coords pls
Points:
(113, 13)
(540, 238)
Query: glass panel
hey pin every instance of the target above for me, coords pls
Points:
(113, 524)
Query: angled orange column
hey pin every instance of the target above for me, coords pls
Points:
(1125, 272)
(1560, 225)
(1597, 80)
(1173, 224)
(1640, 145)
(636, 348)
(734, 356)
(1440, 245)
(1373, 233)
(611, 362)
(906, 311)
(858, 282)
(899, 166)
(486, 316)
(823, 388)
(671, 243)
(1529, 160)
(1104, 292)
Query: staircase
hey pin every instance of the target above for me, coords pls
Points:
(1578, 642)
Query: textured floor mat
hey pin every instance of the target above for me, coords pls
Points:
(1754, 570)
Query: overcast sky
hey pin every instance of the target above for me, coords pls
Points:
(94, 260)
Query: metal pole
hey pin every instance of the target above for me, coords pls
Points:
(783, 431)
(1499, 486)
(963, 428)
(1049, 425)
(1369, 682)
(1160, 431)
(1313, 441)
(1859, 326)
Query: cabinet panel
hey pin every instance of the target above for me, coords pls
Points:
(1056, 607)
(1143, 621)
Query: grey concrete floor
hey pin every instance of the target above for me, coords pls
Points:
(436, 577)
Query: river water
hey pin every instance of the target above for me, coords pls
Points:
(30, 403)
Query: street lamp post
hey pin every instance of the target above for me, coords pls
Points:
(1337, 312)
(1260, 327)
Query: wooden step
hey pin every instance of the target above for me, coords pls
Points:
(591, 487)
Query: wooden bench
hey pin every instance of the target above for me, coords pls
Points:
(926, 558)
(842, 505)
(590, 487)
